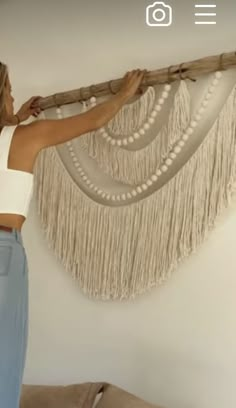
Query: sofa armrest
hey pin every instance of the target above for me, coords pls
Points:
(60, 396)
(114, 397)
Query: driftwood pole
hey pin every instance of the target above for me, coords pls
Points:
(189, 70)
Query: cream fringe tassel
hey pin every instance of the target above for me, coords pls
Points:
(119, 252)
(129, 166)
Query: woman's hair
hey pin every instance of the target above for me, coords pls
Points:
(3, 80)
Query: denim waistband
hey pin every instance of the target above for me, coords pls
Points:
(14, 235)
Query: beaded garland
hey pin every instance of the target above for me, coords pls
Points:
(167, 162)
(155, 111)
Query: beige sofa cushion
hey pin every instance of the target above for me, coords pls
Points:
(114, 397)
(87, 395)
(69, 396)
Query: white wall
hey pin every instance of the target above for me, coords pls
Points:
(176, 345)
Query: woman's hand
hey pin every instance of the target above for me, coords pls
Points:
(29, 108)
(132, 81)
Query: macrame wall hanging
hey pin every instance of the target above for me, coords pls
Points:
(123, 205)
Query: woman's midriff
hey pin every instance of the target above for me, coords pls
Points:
(12, 220)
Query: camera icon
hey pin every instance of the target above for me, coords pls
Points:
(159, 14)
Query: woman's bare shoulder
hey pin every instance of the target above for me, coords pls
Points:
(25, 141)
(27, 135)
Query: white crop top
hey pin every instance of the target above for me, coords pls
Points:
(16, 186)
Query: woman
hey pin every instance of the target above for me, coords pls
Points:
(19, 147)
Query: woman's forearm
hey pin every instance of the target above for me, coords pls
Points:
(13, 120)
(105, 111)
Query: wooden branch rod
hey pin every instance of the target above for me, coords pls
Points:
(189, 70)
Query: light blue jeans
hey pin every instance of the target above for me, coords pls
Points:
(13, 316)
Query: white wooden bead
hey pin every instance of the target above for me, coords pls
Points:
(165, 95)
(205, 103)
(108, 196)
(77, 165)
(131, 139)
(164, 168)
(193, 124)
(146, 126)
(129, 195)
(123, 196)
(158, 172)
(161, 101)
(109, 139)
(177, 149)
(95, 188)
(74, 159)
(197, 117)
(118, 198)
(59, 114)
(215, 82)
(125, 142)
(201, 110)
(185, 136)
(181, 143)
(101, 130)
(154, 114)
(167, 87)
(103, 195)
(84, 178)
(119, 142)
(113, 197)
(211, 89)
(158, 108)
(113, 142)
(218, 75)
(142, 132)
(136, 135)
(149, 182)
(91, 185)
(82, 173)
(139, 190)
(99, 192)
(169, 162)
(93, 99)
(172, 155)
(134, 193)
(208, 96)
(154, 177)
(144, 186)
(151, 120)
(189, 131)
(105, 135)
